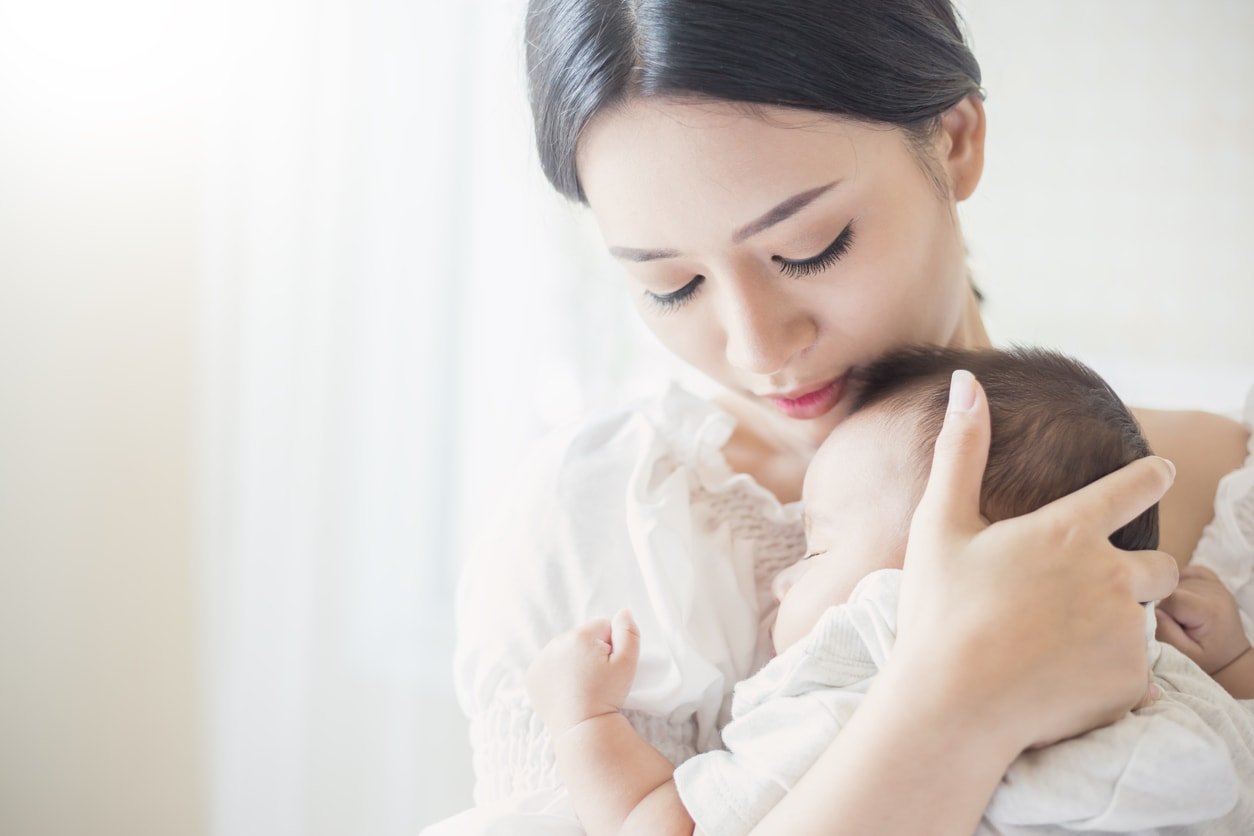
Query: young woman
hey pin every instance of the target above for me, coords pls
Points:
(779, 180)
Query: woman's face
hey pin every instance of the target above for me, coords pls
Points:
(777, 251)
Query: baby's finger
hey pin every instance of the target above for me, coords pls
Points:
(626, 638)
(1187, 608)
(1170, 632)
(598, 628)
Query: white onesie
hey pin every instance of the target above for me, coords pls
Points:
(1186, 760)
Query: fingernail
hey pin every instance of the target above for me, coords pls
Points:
(1172, 468)
(961, 391)
(1155, 693)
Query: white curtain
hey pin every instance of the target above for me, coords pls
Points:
(390, 319)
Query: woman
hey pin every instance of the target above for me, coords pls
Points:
(779, 180)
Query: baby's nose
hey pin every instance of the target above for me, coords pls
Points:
(783, 581)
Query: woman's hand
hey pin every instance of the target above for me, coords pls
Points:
(1031, 624)
(1008, 636)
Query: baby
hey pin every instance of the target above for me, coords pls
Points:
(1056, 426)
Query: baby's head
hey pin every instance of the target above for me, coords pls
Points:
(1056, 426)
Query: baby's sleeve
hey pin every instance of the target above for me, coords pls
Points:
(1184, 760)
(768, 749)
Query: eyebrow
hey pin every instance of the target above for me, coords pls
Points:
(781, 212)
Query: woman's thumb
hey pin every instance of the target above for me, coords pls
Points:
(952, 494)
(625, 637)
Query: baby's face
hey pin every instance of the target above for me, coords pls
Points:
(859, 494)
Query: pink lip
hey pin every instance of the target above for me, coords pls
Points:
(814, 403)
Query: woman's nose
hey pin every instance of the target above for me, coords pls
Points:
(763, 328)
(784, 581)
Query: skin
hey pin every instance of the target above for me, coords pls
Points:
(857, 517)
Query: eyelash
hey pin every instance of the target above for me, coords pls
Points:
(823, 260)
(805, 267)
(812, 554)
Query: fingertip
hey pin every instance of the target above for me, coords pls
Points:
(962, 391)
(625, 626)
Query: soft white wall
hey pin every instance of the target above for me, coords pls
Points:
(1112, 221)
(99, 692)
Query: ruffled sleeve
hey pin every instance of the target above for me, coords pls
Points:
(615, 512)
(1227, 543)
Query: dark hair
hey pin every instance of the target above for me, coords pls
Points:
(896, 62)
(1056, 425)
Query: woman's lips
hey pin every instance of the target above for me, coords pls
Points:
(815, 403)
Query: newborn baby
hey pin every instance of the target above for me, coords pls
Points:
(1056, 426)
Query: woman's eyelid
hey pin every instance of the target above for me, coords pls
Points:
(666, 302)
(841, 241)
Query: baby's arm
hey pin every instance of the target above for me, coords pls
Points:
(618, 783)
(1201, 620)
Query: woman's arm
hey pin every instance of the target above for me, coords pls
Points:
(1020, 633)
(1204, 448)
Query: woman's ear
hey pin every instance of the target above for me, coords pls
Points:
(962, 145)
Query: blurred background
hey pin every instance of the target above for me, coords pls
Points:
(283, 298)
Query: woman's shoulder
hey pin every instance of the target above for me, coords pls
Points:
(1205, 448)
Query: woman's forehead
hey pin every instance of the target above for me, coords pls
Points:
(720, 161)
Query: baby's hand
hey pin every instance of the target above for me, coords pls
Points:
(584, 672)
(1201, 620)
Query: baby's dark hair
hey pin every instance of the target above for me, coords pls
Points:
(1056, 425)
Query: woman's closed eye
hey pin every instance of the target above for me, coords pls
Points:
(820, 262)
(670, 301)
(791, 267)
